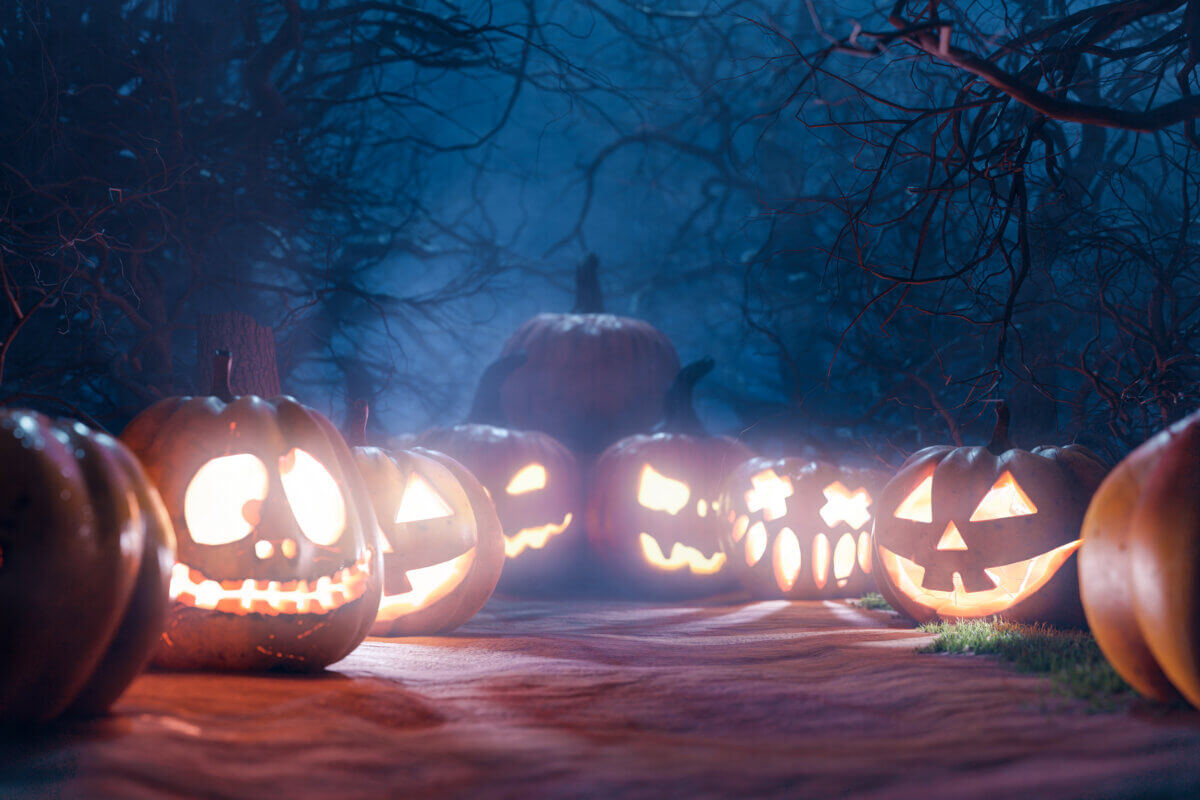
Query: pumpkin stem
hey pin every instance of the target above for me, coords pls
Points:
(222, 368)
(356, 430)
(487, 409)
(1000, 443)
(588, 297)
(679, 415)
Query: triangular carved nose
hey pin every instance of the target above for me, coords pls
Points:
(951, 539)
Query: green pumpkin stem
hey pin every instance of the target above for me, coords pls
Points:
(1000, 442)
(222, 368)
(679, 415)
(589, 299)
(487, 408)
(356, 429)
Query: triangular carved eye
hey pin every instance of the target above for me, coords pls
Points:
(918, 506)
(1005, 499)
(421, 502)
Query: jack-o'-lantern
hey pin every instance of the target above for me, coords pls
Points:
(278, 562)
(443, 550)
(799, 529)
(590, 378)
(650, 513)
(1139, 566)
(979, 531)
(85, 560)
(533, 481)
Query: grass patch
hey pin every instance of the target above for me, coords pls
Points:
(874, 601)
(1072, 659)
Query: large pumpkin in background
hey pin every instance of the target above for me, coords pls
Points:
(278, 563)
(590, 378)
(799, 529)
(965, 532)
(533, 481)
(650, 515)
(443, 550)
(1139, 567)
(86, 550)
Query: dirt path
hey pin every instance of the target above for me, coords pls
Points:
(551, 699)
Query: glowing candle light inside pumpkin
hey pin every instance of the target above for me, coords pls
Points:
(314, 497)
(788, 559)
(842, 505)
(918, 506)
(530, 478)
(657, 492)
(221, 503)
(770, 494)
(1005, 499)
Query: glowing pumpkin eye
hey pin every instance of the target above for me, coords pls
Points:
(657, 492)
(918, 506)
(529, 478)
(421, 502)
(1005, 499)
(770, 494)
(315, 497)
(223, 500)
(843, 505)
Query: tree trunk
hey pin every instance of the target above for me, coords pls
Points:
(252, 345)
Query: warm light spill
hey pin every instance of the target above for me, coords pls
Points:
(314, 495)
(951, 539)
(918, 506)
(429, 584)
(701, 508)
(421, 502)
(843, 558)
(843, 505)
(756, 543)
(787, 559)
(534, 538)
(264, 549)
(529, 478)
(681, 556)
(320, 596)
(769, 494)
(739, 527)
(820, 560)
(1012, 583)
(1005, 499)
(864, 552)
(657, 492)
(222, 501)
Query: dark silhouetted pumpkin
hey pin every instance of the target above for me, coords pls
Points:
(86, 550)
(278, 563)
(649, 513)
(1139, 566)
(590, 378)
(532, 479)
(799, 529)
(978, 531)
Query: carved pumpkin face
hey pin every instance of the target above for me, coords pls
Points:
(798, 529)
(278, 549)
(534, 483)
(443, 550)
(650, 513)
(966, 532)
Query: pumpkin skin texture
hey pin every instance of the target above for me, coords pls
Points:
(533, 481)
(86, 550)
(966, 532)
(444, 550)
(590, 378)
(649, 517)
(1139, 561)
(799, 529)
(278, 561)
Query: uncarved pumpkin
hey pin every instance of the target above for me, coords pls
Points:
(590, 378)
(86, 550)
(965, 532)
(1139, 567)
(650, 515)
(278, 564)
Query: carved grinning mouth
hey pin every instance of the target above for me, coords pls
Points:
(534, 538)
(1012, 583)
(190, 587)
(429, 584)
(681, 556)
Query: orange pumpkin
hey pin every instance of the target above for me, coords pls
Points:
(1139, 567)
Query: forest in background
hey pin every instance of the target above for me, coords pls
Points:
(877, 218)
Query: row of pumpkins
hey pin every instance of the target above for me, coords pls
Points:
(280, 560)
